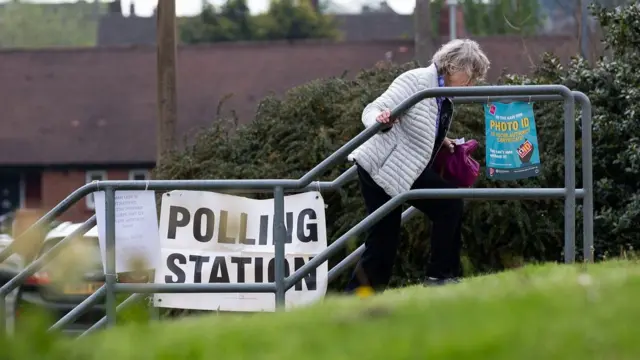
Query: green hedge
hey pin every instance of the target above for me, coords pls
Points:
(293, 133)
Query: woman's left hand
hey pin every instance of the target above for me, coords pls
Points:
(449, 144)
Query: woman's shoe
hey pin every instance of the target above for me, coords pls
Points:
(430, 281)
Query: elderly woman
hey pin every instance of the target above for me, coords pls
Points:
(399, 159)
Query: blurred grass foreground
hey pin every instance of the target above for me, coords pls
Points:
(535, 312)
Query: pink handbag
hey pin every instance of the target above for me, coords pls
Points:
(459, 168)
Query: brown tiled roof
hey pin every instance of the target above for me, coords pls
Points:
(375, 26)
(98, 106)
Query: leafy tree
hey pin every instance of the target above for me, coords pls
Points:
(238, 13)
(500, 17)
(209, 26)
(292, 20)
(293, 133)
(27, 25)
(286, 19)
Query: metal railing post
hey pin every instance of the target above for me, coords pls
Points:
(569, 179)
(110, 244)
(587, 176)
(279, 235)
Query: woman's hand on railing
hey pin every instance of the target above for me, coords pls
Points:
(384, 117)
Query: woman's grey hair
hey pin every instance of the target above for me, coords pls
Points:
(462, 55)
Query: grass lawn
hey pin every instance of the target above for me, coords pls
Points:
(537, 312)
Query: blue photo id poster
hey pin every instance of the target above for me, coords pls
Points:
(512, 141)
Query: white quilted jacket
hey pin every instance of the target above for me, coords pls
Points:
(396, 158)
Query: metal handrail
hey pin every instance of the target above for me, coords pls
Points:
(535, 92)
(587, 183)
(260, 185)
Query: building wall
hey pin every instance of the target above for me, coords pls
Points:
(58, 184)
(32, 189)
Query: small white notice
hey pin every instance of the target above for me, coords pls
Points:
(459, 141)
(208, 237)
(137, 239)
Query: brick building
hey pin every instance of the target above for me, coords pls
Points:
(71, 116)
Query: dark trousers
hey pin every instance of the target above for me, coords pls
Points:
(375, 266)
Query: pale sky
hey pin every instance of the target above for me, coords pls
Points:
(190, 7)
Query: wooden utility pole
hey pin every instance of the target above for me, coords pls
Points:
(423, 38)
(166, 77)
(585, 30)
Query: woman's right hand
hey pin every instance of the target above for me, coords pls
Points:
(384, 117)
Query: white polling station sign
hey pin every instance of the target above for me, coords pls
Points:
(207, 237)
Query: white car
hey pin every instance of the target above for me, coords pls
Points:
(14, 262)
(43, 292)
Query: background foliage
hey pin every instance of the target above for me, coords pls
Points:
(502, 17)
(293, 20)
(28, 25)
(285, 19)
